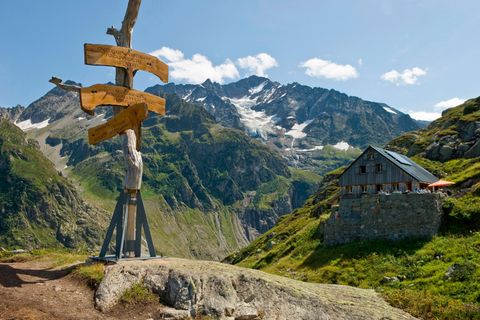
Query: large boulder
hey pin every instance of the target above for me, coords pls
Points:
(222, 291)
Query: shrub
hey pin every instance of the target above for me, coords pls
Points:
(138, 294)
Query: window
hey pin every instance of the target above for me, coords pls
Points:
(370, 155)
(363, 169)
(379, 187)
(378, 168)
(349, 189)
(364, 189)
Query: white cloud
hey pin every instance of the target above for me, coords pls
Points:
(197, 69)
(424, 115)
(406, 77)
(450, 103)
(168, 53)
(258, 64)
(320, 68)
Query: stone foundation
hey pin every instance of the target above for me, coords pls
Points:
(379, 216)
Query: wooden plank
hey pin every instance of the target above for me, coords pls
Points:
(110, 95)
(133, 60)
(129, 118)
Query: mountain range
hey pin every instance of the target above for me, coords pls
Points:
(297, 120)
(224, 163)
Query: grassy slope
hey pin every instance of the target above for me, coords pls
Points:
(294, 247)
(30, 186)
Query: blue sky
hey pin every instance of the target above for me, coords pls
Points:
(418, 56)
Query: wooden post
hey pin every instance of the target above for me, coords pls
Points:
(130, 108)
(133, 158)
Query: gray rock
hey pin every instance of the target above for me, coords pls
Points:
(445, 152)
(245, 311)
(460, 271)
(389, 279)
(474, 151)
(203, 288)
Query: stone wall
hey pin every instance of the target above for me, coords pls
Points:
(379, 216)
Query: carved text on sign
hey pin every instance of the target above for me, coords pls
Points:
(132, 60)
(110, 95)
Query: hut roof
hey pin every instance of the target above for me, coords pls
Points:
(404, 163)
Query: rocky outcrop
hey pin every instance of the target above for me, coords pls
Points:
(455, 135)
(200, 288)
(12, 114)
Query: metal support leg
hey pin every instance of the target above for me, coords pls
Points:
(119, 224)
(146, 228)
(117, 216)
(124, 226)
(138, 230)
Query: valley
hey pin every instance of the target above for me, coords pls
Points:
(212, 182)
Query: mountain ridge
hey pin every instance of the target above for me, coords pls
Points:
(297, 120)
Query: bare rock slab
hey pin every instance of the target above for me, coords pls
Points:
(224, 291)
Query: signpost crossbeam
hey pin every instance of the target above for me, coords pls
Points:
(123, 57)
(110, 95)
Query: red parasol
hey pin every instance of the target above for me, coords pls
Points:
(441, 183)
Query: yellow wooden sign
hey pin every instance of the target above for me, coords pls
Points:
(132, 60)
(110, 95)
(129, 118)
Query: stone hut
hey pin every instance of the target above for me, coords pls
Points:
(370, 208)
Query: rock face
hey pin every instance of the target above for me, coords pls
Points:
(455, 135)
(195, 288)
(12, 114)
(392, 217)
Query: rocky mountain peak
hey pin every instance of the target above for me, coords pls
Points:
(297, 120)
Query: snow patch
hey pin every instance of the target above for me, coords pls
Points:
(28, 125)
(311, 149)
(188, 95)
(201, 99)
(268, 98)
(258, 88)
(256, 122)
(81, 118)
(297, 130)
(389, 110)
(342, 145)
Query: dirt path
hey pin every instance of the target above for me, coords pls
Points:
(31, 290)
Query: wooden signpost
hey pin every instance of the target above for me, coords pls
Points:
(130, 118)
(129, 59)
(109, 95)
(130, 108)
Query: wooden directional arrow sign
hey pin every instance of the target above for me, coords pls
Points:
(110, 95)
(130, 118)
(132, 60)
